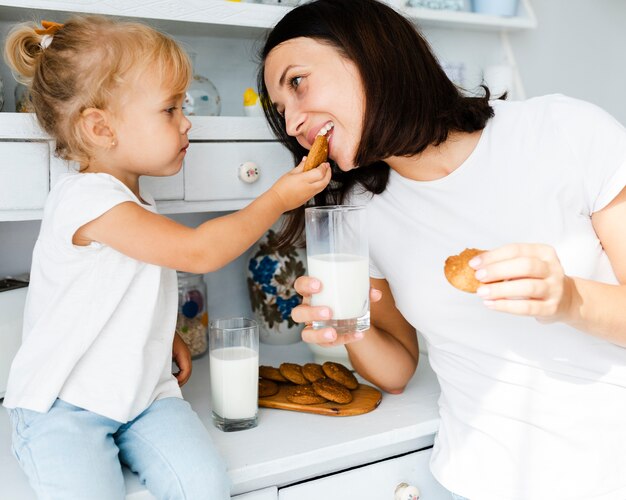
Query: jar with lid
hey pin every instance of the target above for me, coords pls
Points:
(192, 320)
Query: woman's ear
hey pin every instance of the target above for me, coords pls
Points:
(96, 127)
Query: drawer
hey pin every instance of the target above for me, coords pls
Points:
(372, 482)
(24, 177)
(165, 188)
(212, 169)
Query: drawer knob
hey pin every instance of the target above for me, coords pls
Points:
(249, 172)
(406, 491)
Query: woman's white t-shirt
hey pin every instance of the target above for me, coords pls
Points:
(529, 411)
(98, 325)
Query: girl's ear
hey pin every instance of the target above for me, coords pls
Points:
(96, 127)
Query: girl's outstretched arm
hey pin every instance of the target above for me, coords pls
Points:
(156, 239)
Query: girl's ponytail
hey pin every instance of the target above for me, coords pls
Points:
(22, 51)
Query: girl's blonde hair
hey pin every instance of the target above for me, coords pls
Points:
(89, 59)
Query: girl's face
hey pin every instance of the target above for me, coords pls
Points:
(151, 129)
(312, 85)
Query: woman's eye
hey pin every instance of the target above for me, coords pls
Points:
(295, 81)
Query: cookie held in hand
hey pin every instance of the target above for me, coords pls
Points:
(459, 273)
(318, 153)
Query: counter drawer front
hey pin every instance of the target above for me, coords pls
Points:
(372, 482)
(164, 188)
(212, 169)
(24, 175)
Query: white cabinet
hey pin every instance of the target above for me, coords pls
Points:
(23, 175)
(377, 481)
(214, 171)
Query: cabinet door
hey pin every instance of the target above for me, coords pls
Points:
(372, 482)
(212, 170)
(24, 175)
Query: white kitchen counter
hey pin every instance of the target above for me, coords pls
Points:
(287, 447)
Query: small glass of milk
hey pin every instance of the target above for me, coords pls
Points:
(234, 371)
(338, 256)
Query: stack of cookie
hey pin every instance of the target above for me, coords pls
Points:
(310, 383)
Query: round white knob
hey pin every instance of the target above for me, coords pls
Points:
(249, 172)
(406, 491)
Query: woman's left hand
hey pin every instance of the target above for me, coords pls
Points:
(524, 279)
(181, 355)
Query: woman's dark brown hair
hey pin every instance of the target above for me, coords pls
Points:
(410, 103)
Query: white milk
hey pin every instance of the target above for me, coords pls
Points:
(345, 283)
(234, 382)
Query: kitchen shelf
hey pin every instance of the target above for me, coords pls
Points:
(24, 127)
(439, 18)
(252, 15)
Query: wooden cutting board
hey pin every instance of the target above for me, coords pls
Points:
(365, 398)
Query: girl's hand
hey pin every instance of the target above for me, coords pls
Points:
(524, 279)
(305, 313)
(296, 187)
(181, 355)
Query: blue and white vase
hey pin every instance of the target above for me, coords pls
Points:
(271, 275)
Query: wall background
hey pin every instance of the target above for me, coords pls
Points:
(578, 49)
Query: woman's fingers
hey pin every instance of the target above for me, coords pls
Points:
(327, 337)
(305, 313)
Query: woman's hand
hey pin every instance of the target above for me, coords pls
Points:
(181, 355)
(306, 313)
(524, 279)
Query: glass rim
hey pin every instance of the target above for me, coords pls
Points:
(334, 208)
(246, 323)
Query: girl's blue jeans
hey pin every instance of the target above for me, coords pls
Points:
(70, 452)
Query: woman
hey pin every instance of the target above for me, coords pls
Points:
(532, 368)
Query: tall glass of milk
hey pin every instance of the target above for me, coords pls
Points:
(234, 371)
(338, 256)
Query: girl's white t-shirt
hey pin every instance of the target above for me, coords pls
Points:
(98, 325)
(529, 411)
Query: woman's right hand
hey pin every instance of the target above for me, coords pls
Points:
(306, 313)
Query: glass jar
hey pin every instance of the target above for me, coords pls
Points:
(202, 98)
(23, 103)
(192, 320)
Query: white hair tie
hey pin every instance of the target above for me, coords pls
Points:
(46, 40)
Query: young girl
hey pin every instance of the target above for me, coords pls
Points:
(92, 385)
